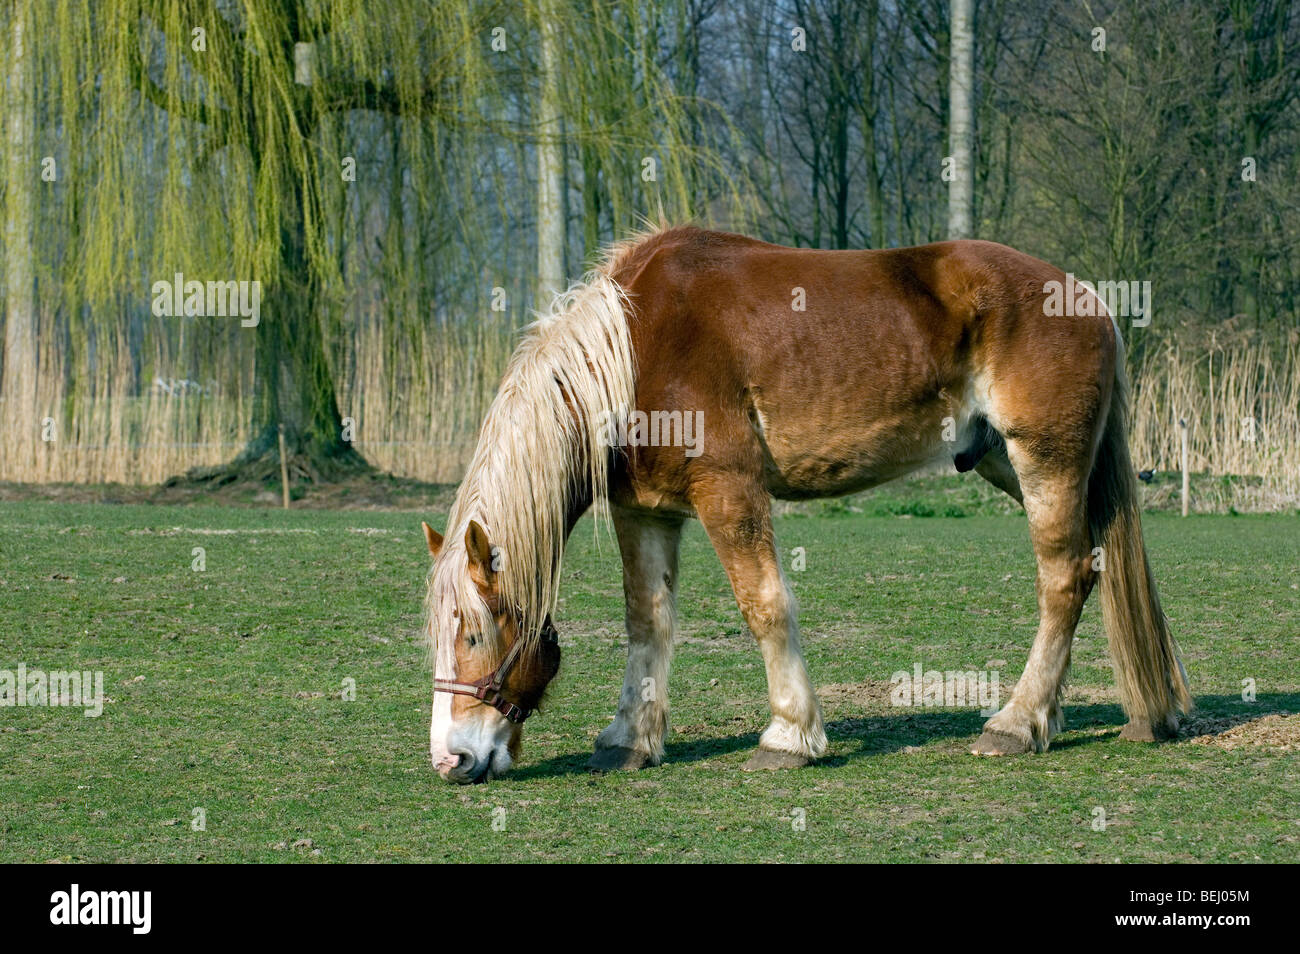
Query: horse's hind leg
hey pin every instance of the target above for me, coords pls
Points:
(737, 516)
(648, 544)
(1056, 505)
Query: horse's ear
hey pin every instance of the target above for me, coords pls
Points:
(433, 538)
(479, 551)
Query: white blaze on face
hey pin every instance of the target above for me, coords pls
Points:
(444, 667)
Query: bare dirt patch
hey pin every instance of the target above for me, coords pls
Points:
(1279, 731)
(1091, 695)
(869, 693)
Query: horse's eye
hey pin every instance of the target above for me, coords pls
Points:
(473, 640)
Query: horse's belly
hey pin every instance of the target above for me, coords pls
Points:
(832, 468)
(828, 453)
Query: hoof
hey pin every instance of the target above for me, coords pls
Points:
(617, 759)
(769, 760)
(1000, 743)
(1143, 731)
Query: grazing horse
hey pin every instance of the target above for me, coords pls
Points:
(806, 374)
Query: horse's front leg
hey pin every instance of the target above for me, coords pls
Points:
(736, 512)
(648, 544)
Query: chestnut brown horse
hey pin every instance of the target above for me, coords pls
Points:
(700, 374)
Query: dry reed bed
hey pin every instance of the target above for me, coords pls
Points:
(417, 404)
(1242, 407)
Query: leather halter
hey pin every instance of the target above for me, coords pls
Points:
(488, 689)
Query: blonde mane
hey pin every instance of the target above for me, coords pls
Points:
(541, 446)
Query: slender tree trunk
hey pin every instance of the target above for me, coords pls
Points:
(840, 173)
(20, 358)
(961, 195)
(591, 205)
(1252, 261)
(869, 109)
(550, 165)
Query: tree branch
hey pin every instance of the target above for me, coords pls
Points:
(383, 98)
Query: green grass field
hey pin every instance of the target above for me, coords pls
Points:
(225, 693)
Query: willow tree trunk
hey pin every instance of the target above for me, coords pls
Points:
(961, 68)
(19, 384)
(294, 384)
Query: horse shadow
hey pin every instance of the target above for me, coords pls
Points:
(946, 730)
(676, 751)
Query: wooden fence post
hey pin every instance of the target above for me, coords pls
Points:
(284, 471)
(1182, 427)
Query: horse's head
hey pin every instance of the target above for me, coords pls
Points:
(488, 675)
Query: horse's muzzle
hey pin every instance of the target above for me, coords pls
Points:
(464, 768)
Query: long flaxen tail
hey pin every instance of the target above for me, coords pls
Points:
(1148, 671)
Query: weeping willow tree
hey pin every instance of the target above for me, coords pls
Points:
(220, 141)
(377, 171)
